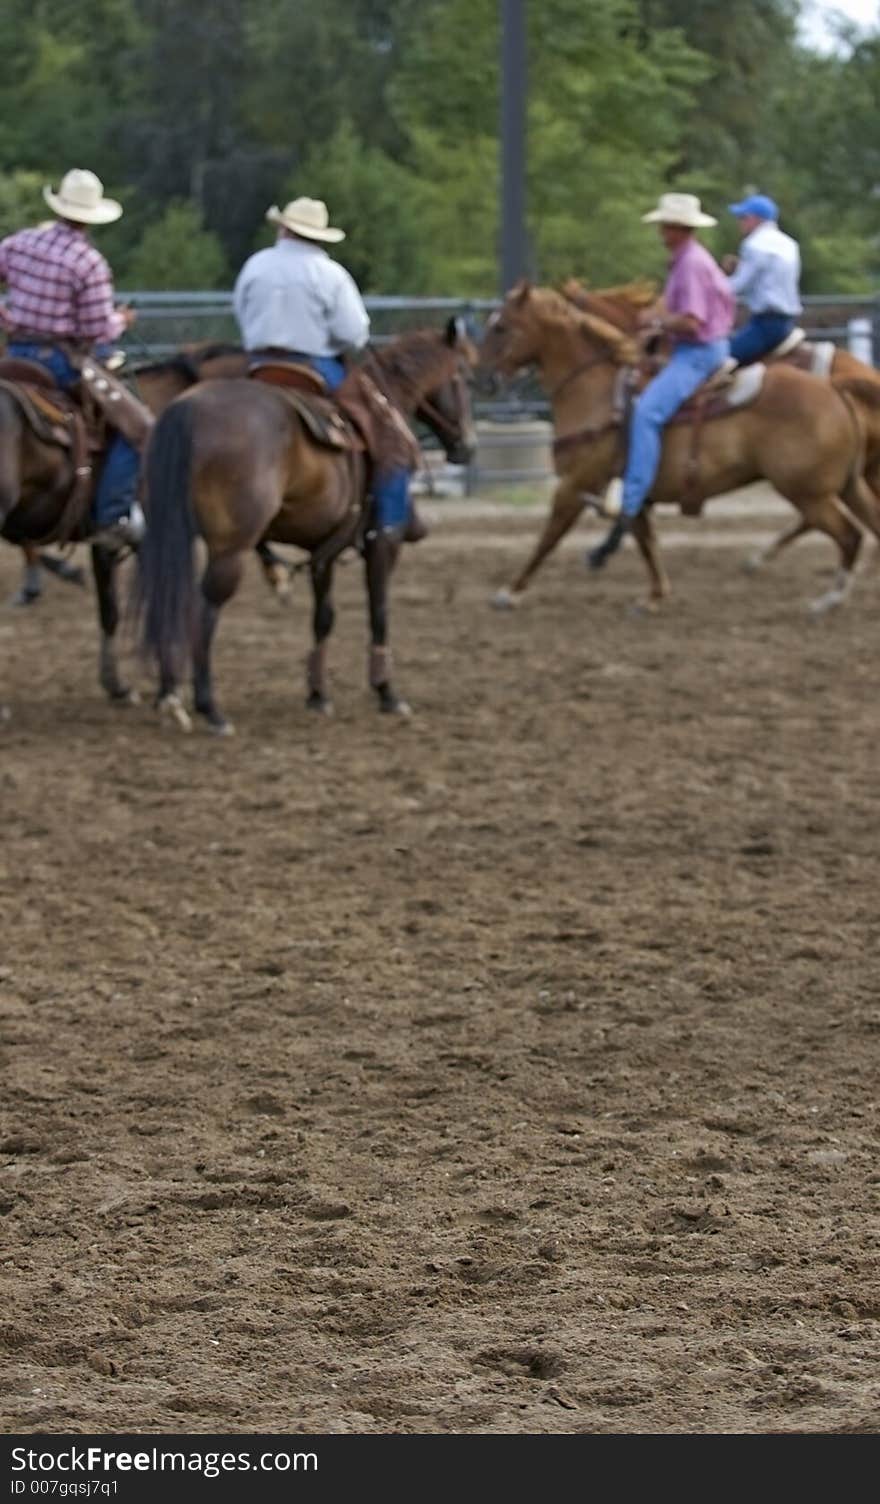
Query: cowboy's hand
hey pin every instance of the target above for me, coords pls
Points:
(648, 318)
(729, 263)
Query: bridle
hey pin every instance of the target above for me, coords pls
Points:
(619, 401)
(451, 428)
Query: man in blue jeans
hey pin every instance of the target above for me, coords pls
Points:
(697, 310)
(60, 300)
(766, 277)
(294, 298)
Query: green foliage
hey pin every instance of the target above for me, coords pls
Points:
(371, 197)
(200, 115)
(178, 252)
(21, 201)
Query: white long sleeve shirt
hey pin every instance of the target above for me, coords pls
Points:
(296, 297)
(767, 278)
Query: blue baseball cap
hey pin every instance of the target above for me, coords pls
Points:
(758, 204)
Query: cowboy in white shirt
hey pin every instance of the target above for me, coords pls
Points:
(293, 298)
(766, 277)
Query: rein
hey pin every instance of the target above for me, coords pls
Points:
(451, 427)
(619, 403)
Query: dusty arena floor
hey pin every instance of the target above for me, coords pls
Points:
(512, 1069)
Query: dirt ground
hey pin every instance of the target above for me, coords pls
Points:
(511, 1069)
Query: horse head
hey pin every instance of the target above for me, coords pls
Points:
(511, 338)
(539, 326)
(446, 407)
(427, 372)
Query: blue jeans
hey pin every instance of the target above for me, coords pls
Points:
(689, 365)
(390, 487)
(763, 332)
(117, 487)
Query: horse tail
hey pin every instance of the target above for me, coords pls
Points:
(861, 396)
(165, 584)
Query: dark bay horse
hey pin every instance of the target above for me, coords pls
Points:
(800, 433)
(42, 502)
(233, 462)
(37, 487)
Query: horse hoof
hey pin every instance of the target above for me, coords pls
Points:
(396, 707)
(26, 597)
(639, 609)
(752, 564)
(319, 704)
(118, 694)
(220, 727)
(830, 601)
(504, 600)
(171, 709)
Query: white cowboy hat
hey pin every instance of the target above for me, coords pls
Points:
(307, 217)
(81, 197)
(679, 209)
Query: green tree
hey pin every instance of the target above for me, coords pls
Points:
(177, 252)
(605, 107)
(373, 199)
(21, 201)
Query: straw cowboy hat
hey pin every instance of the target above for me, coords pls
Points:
(81, 197)
(307, 217)
(679, 209)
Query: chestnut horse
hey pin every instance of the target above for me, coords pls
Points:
(799, 433)
(233, 462)
(621, 305)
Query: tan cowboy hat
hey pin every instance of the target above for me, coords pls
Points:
(81, 197)
(307, 217)
(679, 209)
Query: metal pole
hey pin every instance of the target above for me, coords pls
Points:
(514, 251)
(860, 341)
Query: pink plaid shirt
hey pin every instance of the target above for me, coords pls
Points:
(59, 285)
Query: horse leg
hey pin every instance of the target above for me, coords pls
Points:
(104, 561)
(380, 556)
(323, 617)
(763, 556)
(645, 534)
(220, 580)
(277, 572)
(566, 507)
(31, 587)
(826, 515)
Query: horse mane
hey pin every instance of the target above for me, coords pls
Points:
(619, 305)
(412, 357)
(188, 360)
(595, 326)
(180, 365)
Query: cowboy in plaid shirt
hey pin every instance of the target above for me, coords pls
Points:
(60, 295)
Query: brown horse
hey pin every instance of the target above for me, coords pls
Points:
(799, 434)
(621, 306)
(234, 462)
(42, 501)
(37, 487)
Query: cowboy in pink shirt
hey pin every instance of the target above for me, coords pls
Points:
(697, 309)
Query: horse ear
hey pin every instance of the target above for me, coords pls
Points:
(520, 292)
(455, 330)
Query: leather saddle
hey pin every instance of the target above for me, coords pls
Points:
(813, 355)
(358, 417)
(728, 389)
(308, 394)
(290, 374)
(49, 411)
